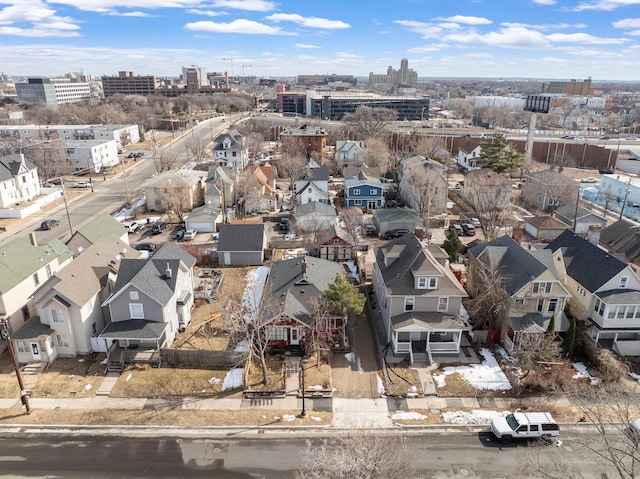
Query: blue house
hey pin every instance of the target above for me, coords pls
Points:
(363, 192)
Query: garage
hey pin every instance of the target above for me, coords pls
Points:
(204, 219)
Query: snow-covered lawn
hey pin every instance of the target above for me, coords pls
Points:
(412, 416)
(487, 375)
(233, 379)
(477, 417)
(253, 292)
(353, 270)
(583, 373)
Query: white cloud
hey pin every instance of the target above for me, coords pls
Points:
(585, 38)
(313, 22)
(427, 30)
(131, 14)
(627, 23)
(305, 45)
(434, 47)
(248, 27)
(545, 2)
(606, 5)
(110, 6)
(207, 13)
(42, 21)
(467, 20)
(253, 5)
(545, 26)
(506, 38)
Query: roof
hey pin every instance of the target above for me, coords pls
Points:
(348, 145)
(470, 145)
(134, 329)
(326, 234)
(383, 215)
(32, 329)
(515, 264)
(431, 320)
(534, 321)
(551, 177)
(623, 237)
(233, 136)
(412, 260)
(369, 172)
(486, 176)
(291, 291)
(19, 259)
(544, 222)
(316, 207)
(621, 296)
(101, 227)
(206, 212)
(241, 237)
(10, 166)
(148, 275)
(569, 212)
(362, 180)
(162, 180)
(590, 266)
(316, 174)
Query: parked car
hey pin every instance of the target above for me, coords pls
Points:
(605, 137)
(457, 228)
(606, 171)
(49, 224)
(468, 229)
(475, 222)
(589, 179)
(535, 425)
(285, 224)
(132, 227)
(370, 229)
(397, 233)
(189, 235)
(158, 227)
(145, 247)
(634, 428)
(82, 184)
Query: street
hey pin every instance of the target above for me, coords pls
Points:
(435, 455)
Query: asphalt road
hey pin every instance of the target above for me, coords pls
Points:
(452, 455)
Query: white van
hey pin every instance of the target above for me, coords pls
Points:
(530, 425)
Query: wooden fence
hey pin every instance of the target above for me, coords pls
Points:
(202, 358)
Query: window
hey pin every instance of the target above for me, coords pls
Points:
(422, 283)
(519, 302)
(277, 334)
(540, 306)
(598, 306)
(372, 191)
(623, 282)
(414, 335)
(356, 192)
(553, 305)
(57, 316)
(133, 295)
(409, 303)
(36, 279)
(443, 304)
(48, 270)
(433, 283)
(62, 341)
(22, 347)
(136, 311)
(541, 286)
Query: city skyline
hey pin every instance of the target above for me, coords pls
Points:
(463, 38)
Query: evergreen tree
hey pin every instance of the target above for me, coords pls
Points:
(501, 155)
(570, 337)
(344, 297)
(551, 329)
(452, 246)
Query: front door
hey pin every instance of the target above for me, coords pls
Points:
(35, 351)
(371, 205)
(294, 338)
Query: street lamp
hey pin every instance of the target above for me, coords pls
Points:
(303, 413)
(24, 397)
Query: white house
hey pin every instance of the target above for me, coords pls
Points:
(91, 156)
(468, 156)
(18, 180)
(313, 186)
(349, 153)
(229, 148)
(122, 134)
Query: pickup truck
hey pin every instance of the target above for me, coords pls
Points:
(533, 425)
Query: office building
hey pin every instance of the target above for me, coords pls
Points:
(126, 83)
(405, 77)
(52, 91)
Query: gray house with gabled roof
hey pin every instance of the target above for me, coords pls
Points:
(242, 244)
(623, 237)
(228, 149)
(103, 226)
(532, 279)
(150, 302)
(291, 290)
(581, 221)
(419, 300)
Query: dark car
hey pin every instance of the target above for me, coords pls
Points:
(285, 224)
(145, 247)
(49, 224)
(370, 230)
(606, 171)
(158, 228)
(457, 228)
(469, 229)
(397, 233)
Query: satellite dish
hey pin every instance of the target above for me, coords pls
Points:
(80, 249)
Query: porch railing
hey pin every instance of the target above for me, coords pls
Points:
(442, 346)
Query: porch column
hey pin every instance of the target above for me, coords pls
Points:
(458, 335)
(428, 340)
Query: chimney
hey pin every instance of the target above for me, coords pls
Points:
(304, 266)
(517, 235)
(593, 234)
(32, 238)
(168, 272)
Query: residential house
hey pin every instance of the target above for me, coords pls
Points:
(224, 179)
(548, 190)
(581, 218)
(311, 138)
(204, 219)
(468, 157)
(605, 292)
(349, 153)
(228, 148)
(19, 180)
(315, 216)
(103, 226)
(369, 171)
(69, 317)
(623, 238)
(150, 302)
(484, 189)
(259, 189)
(363, 192)
(419, 300)
(422, 186)
(387, 219)
(543, 227)
(313, 186)
(242, 244)
(24, 267)
(618, 189)
(291, 291)
(532, 279)
(91, 156)
(335, 244)
(175, 190)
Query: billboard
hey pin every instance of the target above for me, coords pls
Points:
(537, 103)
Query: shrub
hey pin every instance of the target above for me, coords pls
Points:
(609, 367)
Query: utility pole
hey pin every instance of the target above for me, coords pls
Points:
(24, 397)
(626, 196)
(66, 206)
(124, 176)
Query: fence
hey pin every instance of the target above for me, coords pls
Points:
(201, 358)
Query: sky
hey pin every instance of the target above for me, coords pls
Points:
(536, 39)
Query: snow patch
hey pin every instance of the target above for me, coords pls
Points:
(352, 270)
(355, 361)
(583, 373)
(88, 387)
(635, 376)
(128, 377)
(409, 416)
(476, 417)
(256, 279)
(380, 385)
(487, 375)
(287, 418)
(214, 380)
(233, 379)
(242, 346)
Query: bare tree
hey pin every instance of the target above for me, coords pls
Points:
(323, 330)
(197, 150)
(431, 147)
(489, 305)
(179, 193)
(564, 107)
(535, 351)
(563, 159)
(368, 122)
(359, 455)
(293, 165)
(559, 194)
(376, 154)
(49, 158)
(424, 194)
(353, 218)
(165, 162)
(248, 190)
(460, 107)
